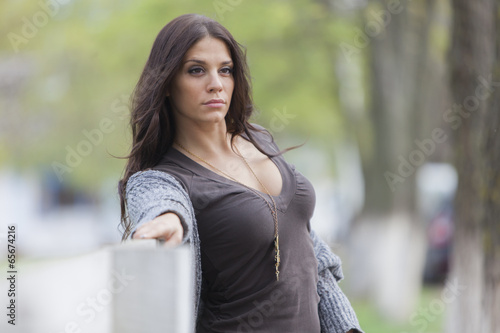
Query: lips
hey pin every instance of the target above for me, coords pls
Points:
(215, 101)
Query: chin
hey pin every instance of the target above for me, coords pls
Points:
(216, 117)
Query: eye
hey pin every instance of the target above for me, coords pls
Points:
(195, 70)
(226, 70)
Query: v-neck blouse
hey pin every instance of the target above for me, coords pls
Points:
(240, 292)
(288, 188)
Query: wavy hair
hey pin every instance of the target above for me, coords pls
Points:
(152, 122)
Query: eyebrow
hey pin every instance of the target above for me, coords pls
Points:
(227, 62)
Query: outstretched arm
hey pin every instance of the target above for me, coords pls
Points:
(154, 194)
(158, 207)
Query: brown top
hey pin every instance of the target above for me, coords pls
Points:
(240, 292)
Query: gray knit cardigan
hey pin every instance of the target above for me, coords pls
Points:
(152, 193)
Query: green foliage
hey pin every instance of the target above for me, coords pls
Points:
(88, 56)
(373, 321)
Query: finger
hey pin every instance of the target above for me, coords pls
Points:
(165, 231)
(174, 240)
(166, 227)
(170, 233)
(144, 230)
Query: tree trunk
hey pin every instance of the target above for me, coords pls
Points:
(475, 74)
(491, 222)
(404, 84)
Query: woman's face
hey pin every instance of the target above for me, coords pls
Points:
(201, 91)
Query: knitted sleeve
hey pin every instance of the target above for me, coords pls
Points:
(152, 193)
(335, 311)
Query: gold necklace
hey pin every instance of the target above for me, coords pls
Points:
(273, 208)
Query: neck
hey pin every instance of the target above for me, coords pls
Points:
(207, 140)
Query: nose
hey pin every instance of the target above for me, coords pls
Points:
(215, 83)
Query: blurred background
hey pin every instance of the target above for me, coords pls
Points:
(396, 100)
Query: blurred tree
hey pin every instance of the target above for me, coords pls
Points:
(81, 60)
(475, 80)
(405, 79)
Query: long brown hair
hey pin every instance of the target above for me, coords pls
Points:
(153, 126)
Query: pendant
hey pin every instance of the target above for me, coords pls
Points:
(277, 259)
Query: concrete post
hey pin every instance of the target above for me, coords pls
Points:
(159, 293)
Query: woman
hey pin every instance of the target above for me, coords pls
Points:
(200, 172)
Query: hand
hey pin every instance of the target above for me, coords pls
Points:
(167, 227)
